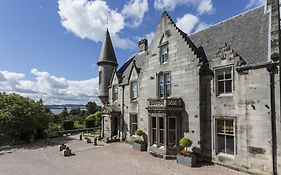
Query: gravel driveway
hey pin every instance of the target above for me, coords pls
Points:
(112, 159)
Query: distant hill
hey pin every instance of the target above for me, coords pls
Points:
(71, 106)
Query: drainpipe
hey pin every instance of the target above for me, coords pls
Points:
(122, 113)
(272, 71)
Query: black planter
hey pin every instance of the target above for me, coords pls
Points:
(139, 146)
(189, 160)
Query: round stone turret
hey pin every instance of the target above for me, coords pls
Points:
(107, 63)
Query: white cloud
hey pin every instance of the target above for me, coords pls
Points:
(88, 19)
(202, 6)
(254, 3)
(187, 23)
(52, 89)
(134, 10)
(205, 6)
(190, 23)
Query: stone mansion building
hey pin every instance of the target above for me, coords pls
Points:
(219, 87)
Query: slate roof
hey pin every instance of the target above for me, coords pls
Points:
(107, 53)
(247, 34)
(125, 70)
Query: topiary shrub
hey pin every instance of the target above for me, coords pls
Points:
(139, 132)
(53, 130)
(184, 144)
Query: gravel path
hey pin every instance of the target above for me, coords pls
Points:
(112, 159)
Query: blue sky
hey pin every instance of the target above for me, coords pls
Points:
(49, 48)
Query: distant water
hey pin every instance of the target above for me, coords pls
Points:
(59, 110)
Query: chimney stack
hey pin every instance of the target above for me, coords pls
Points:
(142, 45)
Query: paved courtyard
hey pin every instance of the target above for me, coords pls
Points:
(106, 159)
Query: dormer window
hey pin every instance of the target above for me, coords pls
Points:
(164, 53)
(114, 93)
(224, 81)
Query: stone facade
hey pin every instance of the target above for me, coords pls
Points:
(212, 86)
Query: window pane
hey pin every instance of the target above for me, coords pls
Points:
(229, 127)
(161, 122)
(164, 54)
(220, 87)
(161, 79)
(153, 136)
(161, 139)
(161, 90)
(227, 73)
(221, 143)
(167, 78)
(134, 88)
(99, 77)
(228, 86)
(229, 145)
(172, 138)
(153, 122)
(220, 77)
(168, 90)
(220, 126)
(172, 123)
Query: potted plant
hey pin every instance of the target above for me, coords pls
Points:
(139, 144)
(186, 156)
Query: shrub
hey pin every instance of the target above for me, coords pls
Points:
(90, 121)
(139, 132)
(53, 130)
(185, 143)
(68, 125)
(77, 125)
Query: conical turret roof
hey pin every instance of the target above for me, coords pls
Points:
(107, 54)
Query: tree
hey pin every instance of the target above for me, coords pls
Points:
(98, 118)
(91, 107)
(21, 117)
(64, 113)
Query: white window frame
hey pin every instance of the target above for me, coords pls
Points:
(224, 69)
(216, 136)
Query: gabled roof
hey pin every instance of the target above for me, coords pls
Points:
(107, 53)
(247, 34)
(136, 60)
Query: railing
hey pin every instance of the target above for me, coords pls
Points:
(169, 102)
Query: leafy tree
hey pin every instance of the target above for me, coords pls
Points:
(98, 118)
(92, 107)
(64, 113)
(75, 111)
(90, 121)
(21, 117)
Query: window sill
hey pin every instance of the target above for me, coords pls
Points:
(134, 100)
(230, 156)
(225, 95)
